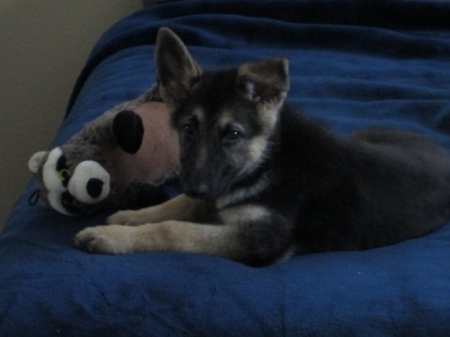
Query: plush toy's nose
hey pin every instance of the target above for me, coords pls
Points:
(89, 182)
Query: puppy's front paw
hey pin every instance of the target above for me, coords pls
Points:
(112, 239)
(126, 218)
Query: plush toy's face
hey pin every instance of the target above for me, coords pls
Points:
(104, 167)
(69, 189)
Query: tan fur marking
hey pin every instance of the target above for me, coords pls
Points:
(257, 148)
(217, 240)
(186, 237)
(200, 114)
(256, 154)
(243, 213)
(172, 235)
(225, 119)
(164, 236)
(112, 239)
(243, 193)
(268, 112)
(274, 71)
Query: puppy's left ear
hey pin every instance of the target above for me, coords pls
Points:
(175, 66)
(265, 81)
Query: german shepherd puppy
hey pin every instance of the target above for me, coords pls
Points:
(261, 182)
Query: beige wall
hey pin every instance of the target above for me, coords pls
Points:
(43, 46)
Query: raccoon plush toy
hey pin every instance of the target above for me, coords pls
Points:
(116, 161)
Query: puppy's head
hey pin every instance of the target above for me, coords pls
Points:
(224, 118)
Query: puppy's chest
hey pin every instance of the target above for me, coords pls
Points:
(285, 193)
(275, 190)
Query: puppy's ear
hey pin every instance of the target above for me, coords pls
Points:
(265, 81)
(175, 66)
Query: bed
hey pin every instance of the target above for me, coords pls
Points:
(353, 64)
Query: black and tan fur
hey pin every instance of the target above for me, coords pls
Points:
(262, 182)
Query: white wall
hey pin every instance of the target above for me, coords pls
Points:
(43, 46)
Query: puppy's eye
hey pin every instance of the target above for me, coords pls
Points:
(188, 129)
(232, 136)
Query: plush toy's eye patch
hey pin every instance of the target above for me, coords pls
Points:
(89, 183)
(64, 175)
(68, 202)
(61, 164)
(62, 169)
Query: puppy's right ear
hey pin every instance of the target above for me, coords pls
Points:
(175, 66)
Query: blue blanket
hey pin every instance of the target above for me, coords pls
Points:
(353, 64)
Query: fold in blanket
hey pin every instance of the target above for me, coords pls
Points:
(398, 29)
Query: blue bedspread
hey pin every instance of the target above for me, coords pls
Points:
(353, 64)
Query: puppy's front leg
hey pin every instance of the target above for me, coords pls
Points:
(250, 234)
(164, 236)
(180, 208)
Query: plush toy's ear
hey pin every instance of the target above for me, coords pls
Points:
(265, 81)
(128, 131)
(176, 68)
(36, 161)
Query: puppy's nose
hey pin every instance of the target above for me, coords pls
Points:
(197, 192)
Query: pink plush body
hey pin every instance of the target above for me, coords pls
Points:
(158, 156)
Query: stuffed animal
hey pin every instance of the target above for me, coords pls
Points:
(116, 161)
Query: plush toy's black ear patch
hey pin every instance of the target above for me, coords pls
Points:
(128, 130)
